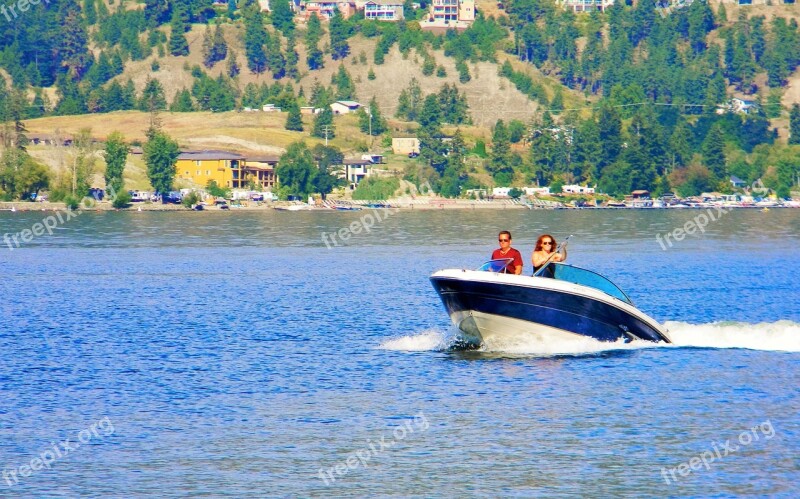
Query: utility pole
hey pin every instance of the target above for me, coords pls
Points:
(327, 130)
(370, 128)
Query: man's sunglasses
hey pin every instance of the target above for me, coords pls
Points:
(504, 240)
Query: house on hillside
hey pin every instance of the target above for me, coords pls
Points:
(200, 167)
(345, 107)
(383, 10)
(577, 189)
(449, 14)
(743, 106)
(405, 145)
(261, 171)
(738, 183)
(586, 5)
(354, 171)
(324, 9)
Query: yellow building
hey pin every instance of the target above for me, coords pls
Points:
(261, 171)
(200, 167)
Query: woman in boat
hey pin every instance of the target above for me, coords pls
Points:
(544, 253)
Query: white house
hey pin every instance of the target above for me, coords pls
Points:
(354, 171)
(577, 189)
(536, 191)
(383, 10)
(501, 192)
(344, 107)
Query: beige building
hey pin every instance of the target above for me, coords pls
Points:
(405, 145)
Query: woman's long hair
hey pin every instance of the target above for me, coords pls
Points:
(539, 243)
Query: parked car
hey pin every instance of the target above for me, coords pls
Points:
(97, 193)
(413, 154)
(173, 197)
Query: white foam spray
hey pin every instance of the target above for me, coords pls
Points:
(770, 336)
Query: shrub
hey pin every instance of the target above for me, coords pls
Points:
(376, 188)
(190, 199)
(122, 200)
(71, 202)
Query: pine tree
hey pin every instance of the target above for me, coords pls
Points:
(89, 12)
(680, 145)
(430, 115)
(255, 39)
(345, 88)
(370, 120)
(74, 48)
(129, 96)
(794, 124)
(233, 66)
(291, 58)
(208, 49)
(294, 121)
(314, 59)
(282, 16)
(275, 60)
(182, 103)
(339, 33)
(714, 152)
(220, 46)
(323, 124)
(178, 46)
(152, 97)
(501, 148)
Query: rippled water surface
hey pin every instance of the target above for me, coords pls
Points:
(234, 354)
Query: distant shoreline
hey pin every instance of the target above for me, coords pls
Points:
(399, 204)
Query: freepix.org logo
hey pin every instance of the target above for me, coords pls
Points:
(13, 10)
(50, 455)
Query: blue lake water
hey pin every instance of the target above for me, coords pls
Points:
(235, 354)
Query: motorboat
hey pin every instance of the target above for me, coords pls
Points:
(563, 302)
(293, 207)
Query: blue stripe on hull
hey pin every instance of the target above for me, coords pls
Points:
(566, 311)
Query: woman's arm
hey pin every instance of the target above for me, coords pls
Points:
(538, 258)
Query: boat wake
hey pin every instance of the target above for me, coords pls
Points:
(781, 336)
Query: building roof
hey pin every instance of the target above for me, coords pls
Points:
(263, 159)
(397, 3)
(357, 162)
(208, 155)
(348, 103)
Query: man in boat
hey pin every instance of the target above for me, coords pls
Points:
(506, 251)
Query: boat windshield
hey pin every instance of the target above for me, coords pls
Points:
(495, 265)
(577, 275)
